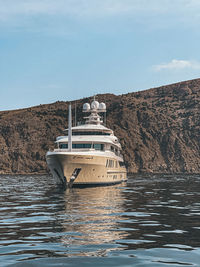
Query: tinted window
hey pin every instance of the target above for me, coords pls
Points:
(98, 146)
(121, 164)
(77, 146)
(81, 145)
(89, 133)
(62, 146)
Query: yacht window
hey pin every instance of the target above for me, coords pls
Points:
(63, 146)
(110, 163)
(121, 164)
(98, 146)
(81, 145)
(77, 146)
(89, 133)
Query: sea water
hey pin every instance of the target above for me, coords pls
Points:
(152, 220)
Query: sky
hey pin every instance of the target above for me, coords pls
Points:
(62, 50)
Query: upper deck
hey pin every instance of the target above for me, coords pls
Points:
(92, 135)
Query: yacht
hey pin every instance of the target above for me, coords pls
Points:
(89, 154)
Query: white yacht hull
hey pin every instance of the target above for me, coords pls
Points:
(85, 169)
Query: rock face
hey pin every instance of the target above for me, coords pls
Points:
(159, 130)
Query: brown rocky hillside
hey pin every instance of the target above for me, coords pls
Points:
(159, 130)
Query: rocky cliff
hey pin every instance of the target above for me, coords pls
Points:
(159, 130)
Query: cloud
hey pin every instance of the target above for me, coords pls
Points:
(81, 8)
(45, 15)
(177, 65)
(9, 8)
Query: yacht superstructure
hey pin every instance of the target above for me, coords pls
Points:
(90, 154)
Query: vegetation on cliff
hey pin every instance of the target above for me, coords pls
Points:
(159, 130)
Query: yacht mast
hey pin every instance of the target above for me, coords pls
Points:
(70, 128)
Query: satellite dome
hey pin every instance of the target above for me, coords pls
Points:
(102, 106)
(95, 105)
(86, 107)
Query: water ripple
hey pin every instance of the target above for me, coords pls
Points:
(149, 221)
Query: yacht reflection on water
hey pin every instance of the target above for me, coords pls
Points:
(92, 217)
(151, 214)
(152, 220)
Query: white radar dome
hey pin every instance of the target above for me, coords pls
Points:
(95, 105)
(102, 106)
(86, 107)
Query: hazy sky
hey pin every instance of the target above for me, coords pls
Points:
(68, 49)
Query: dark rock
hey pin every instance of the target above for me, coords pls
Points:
(159, 130)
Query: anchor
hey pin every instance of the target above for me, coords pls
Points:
(73, 177)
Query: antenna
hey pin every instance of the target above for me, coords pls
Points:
(94, 97)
